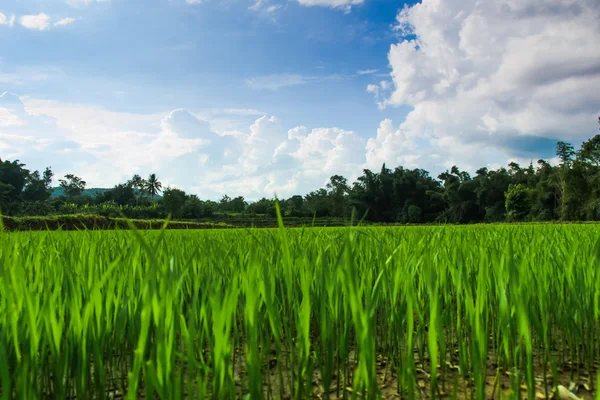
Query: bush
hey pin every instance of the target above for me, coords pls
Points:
(96, 222)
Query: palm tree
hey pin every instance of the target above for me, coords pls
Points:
(137, 182)
(153, 186)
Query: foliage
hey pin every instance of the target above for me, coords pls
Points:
(152, 185)
(518, 202)
(72, 185)
(274, 314)
(568, 191)
(97, 222)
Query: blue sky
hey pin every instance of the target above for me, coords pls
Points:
(263, 96)
(198, 56)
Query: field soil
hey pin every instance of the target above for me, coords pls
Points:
(451, 384)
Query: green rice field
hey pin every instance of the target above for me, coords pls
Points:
(474, 312)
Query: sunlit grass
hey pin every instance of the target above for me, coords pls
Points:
(279, 313)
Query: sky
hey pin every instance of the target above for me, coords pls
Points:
(264, 97)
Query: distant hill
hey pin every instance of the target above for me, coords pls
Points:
(91, 192)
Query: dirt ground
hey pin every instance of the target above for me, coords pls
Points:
(497, 382)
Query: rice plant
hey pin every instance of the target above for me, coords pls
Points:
(332, 313)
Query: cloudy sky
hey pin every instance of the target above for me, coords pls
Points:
(256, 97)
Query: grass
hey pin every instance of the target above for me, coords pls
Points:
(424, 312)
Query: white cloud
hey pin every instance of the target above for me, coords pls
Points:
(276, 81)
(7, 118)
(487, 74)
(242, 111)
(64, 21)
(39, 21)
(78, 3)
(279, 81)
(264, 8)
(342, 4)
(258, 4)
(273, 8)
(195, 1)
(106, 147)
(6, 20)
(390, 146)
(366, 71)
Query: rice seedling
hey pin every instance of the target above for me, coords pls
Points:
(335, 313)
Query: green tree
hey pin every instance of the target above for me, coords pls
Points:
(121, 194)
(238, 204)
(490, 189)
(38, 188)
(153, 186)
(518, 202)
(338, 190)
(590, 151)
(224, 203)
(263, 206)
(294, 206)
(139, 185)
(14, 176)
(173, 201)
(565, 153)
(318, 203)
(194, 208)
(545, 195)
(460, 194)
(72, 185)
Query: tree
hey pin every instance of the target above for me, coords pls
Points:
(545, 195)
(590, 151)
(238, 204)
(460, 194)
(294, 206)
(317, 203)
(72, 185)
(565, 152)
(5, 193)
(38, 187)
(138, 183)
(173, 201)
(121, 194)
(518, 202)
(153, 186)
(13, 174)
(338, 193)
(194, 208)
(263, 206)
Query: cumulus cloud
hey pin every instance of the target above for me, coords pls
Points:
(184, 148)
(392, 146)
(494, 74)
(346, 5)
(38, 22)
(7, 118)
(64, 21)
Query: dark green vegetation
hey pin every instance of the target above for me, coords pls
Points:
(463, 312)
(568, 191)
(97, 222)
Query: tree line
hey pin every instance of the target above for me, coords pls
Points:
(567, 191)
